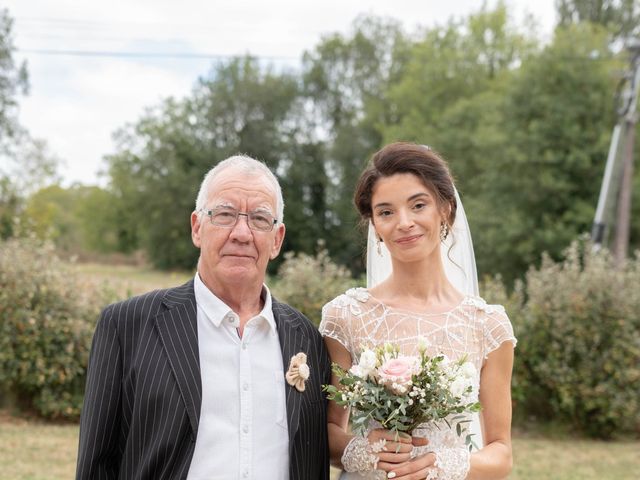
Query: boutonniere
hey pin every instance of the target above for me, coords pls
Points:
(298, 371)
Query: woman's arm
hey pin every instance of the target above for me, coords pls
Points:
(337, 416)
(494, 460)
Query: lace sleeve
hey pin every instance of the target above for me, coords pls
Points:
(334, 323)
(497, 329)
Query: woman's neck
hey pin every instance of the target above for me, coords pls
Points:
(421, 285)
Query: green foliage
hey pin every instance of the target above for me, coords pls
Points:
(526, 130)
(537, 190)
(161, 160)
(428, 390)
(347, 79)
(76, 219)
(13, 82)
(10, 202)
(46, 322)
(307, 282)
(578, 354)
(621, 17)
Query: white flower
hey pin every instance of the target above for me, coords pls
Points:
(468, 370)
(458, 386)
(423, 344)
(367, 362)
(357, 371)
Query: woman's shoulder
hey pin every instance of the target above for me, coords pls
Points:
(340, 314)
(480, 304)
(494, 322)
(353, 296)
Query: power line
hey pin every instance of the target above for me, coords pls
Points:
(123, 54)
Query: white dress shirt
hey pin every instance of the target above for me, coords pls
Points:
(242, 433)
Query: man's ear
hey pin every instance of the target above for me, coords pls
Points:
(277, 244)
(195, 228)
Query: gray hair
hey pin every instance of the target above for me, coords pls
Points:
(248, 166)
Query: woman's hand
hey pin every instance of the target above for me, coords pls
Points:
(418, 468)
(397, 449)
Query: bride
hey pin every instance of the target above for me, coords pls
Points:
(421, 284)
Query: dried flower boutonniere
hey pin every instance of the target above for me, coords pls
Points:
(298, 371)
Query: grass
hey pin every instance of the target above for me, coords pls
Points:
(126, 281)
(571, 459)
(32, 450)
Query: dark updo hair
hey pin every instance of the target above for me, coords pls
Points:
(402, 157)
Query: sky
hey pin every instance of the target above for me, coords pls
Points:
(85, 84)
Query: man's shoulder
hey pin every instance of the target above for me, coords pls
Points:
(286, 312)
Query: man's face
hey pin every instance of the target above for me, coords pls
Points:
(236, 255)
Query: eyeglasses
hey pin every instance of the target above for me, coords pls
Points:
(228, 217)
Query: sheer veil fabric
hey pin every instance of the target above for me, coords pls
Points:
(459, 265)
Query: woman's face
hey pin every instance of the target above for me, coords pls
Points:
(406, 215)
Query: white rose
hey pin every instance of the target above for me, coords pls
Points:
(458, 387)
(368, 362)
(357, 371)
(468, 370)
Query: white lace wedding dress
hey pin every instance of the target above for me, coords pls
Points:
(473, 328)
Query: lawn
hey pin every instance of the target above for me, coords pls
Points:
(34, 450)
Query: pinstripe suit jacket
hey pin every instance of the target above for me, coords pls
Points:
(143, 393)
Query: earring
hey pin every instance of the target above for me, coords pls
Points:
(378, 248)
(444, 231)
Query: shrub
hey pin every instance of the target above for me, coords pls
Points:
(579, 342)
(46, 323)
(308, 282)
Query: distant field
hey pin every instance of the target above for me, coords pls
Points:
(126, 281)
(36, 451)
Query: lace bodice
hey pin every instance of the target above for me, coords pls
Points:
(472, 328)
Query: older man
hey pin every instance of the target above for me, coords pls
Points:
(214, 379)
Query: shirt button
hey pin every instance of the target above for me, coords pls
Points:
(244, 346)
(245, 429)
(245, 387)
(245, 474)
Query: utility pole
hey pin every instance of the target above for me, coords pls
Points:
(618, 173)
(621, 242)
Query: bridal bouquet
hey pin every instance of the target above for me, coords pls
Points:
(401, 392)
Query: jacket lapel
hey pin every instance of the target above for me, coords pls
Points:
(178, 329)
(292, 341)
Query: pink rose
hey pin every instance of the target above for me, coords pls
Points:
(395, 374)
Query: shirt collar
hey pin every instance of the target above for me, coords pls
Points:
(217, 310)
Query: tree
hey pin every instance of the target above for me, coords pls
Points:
(540, 189)
(621, 17)
(347, 79)
(13, 82)
(26, 165)
(161, 160)
(452, 97)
